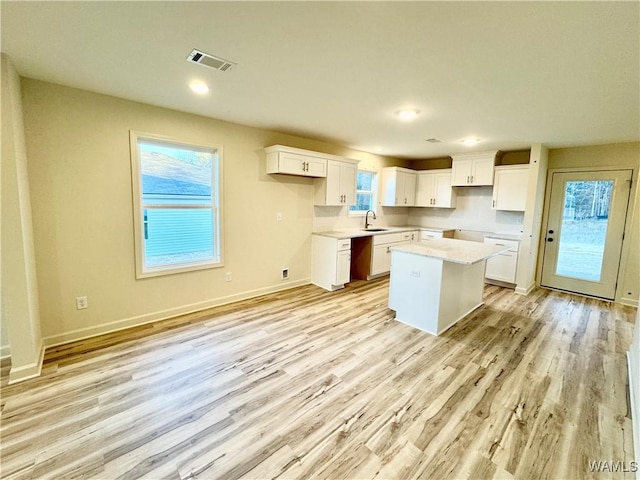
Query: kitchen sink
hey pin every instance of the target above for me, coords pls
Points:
(375, 229)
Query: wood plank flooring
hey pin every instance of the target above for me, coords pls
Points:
(311, 384)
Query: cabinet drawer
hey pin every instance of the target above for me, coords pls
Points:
(512, 244)
(390, 238)
(344, 244)
(429, 234)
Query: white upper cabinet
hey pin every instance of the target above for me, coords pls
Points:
(473, 169)
(510, 187)
(339, 187)
(434, 189)
(295, 161)
(398, 187)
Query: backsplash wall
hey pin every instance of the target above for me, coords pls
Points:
(473, 212)
(337, 218)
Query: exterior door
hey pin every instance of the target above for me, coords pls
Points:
(584, 231)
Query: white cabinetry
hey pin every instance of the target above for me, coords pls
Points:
(339, 186)
(472, 169)
(381, 252)
(295, 161)
(330, 261)
(398, 187)
(426, 234)
(434, 189)
(510, 187)
(502, 267)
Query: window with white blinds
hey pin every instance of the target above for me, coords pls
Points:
(176, 205)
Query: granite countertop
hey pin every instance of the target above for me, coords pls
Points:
(358, 232)
(452, 250)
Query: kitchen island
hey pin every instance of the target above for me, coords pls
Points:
(436, 283)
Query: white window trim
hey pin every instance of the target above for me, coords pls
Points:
(138, 216)
(362, 213)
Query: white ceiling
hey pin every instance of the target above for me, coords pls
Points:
(508, 73)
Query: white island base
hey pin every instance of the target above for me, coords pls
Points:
(432, 293)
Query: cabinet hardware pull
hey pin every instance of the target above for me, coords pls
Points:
(467, 178)
(494, 204)
(471, 178)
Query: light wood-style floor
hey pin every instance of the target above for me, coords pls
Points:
(311, 384)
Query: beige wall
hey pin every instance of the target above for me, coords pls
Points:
(79, 167)
(20, 312)
(623, 155)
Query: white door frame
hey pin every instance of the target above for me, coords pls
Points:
(626, 245)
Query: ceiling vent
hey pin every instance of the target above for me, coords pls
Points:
(433, 140)
(217, 63)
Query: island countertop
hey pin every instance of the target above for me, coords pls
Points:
(452, 250)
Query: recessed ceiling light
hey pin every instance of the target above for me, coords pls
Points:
(407, 115)
(199, 88)
(470, 141)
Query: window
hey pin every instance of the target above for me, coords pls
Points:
(176, 188)
(366, 192)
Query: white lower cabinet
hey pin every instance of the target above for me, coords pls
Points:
(381, 251)
(502, 267)
(426, 234)
(330, 261)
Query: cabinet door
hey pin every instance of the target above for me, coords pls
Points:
(510, 189)
(425, 189)
(333, 196)
(343, 267)
(482, 173)
(445, 196)
(388, 188)
(348, 173)
(461, 172)
(316, 167)
(409, 189)
(292, 163)
(380, 259)
(502, 267)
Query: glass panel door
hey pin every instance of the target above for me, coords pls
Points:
(583, 231)
(583, 241)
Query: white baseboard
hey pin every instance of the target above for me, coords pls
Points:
(525, 291)
(5, 351)
(83, 333)
(629, 302)
(25, 372)
(634, 394)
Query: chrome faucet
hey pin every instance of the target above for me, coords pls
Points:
(366, 218)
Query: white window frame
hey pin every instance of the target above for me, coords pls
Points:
(139, 207)
(374, 192)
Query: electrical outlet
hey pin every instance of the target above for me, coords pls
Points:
(279, 216)
(285, 274)
(82, 303)
(227, 277)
